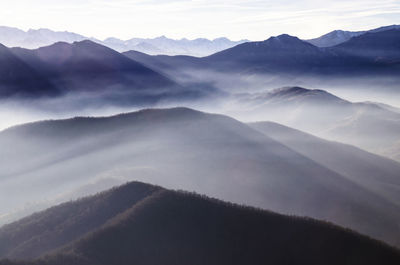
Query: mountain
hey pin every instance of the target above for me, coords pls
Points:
(334, 38)
(379, 46)
(33, 39)
(285, 56)
(281, 53)
(184, 149)
(365, 168)
(165, 46)
(286, 61)
(337, 37)
(175, 67)
(51, 229)
(142, 224)
(366, 125)
(99, 74)
(11, 36)
(19, 79)
(291, 56)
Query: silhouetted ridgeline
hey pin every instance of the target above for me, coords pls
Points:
(290, 56)
(41, 232)
(159, 226)
(18, 78)
(211, 154)
(337, 37)
(370, 126)
(93, 73)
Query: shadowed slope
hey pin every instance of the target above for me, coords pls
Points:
(87, 65)
(381, 46)
(55, 227)
(19, 79)
(180, 228)
(94, 74)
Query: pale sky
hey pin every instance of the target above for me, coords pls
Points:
(236, 19)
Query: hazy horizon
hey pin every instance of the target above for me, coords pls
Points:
(236, 20)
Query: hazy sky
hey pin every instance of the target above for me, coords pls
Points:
(236, 19)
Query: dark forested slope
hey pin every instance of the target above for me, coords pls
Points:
(168, 227)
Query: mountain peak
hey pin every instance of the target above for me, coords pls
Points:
(285, 39)
(286, 36)
(300, 92)
(163, 37)
(221, 39)
(289, 90)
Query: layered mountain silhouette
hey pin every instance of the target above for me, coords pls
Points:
(365, 168)
(87, 65)
(33, 39)
(334, 38)
(19, 78)
(337, 37)
(86, 70)
(185, 149)
(367, 125)
(166, 46)
(379, 46)
(143, 224)
(287, 54)
(291, 57)
(90, 67)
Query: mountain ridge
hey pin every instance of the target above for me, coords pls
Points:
(33, 39)
(182, 226)
(225, 158)
(99, 75)
(336, 37)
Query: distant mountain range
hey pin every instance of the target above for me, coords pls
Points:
(33, 39)
(339, 36)
(374, 53)
(211, 154)
(135, 78)
(163, 45)
(142, 224)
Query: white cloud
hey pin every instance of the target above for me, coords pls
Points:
(253, 19)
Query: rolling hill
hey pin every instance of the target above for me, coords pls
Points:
(367, 125)
(185, 149)
(143, 224)
(365, 168)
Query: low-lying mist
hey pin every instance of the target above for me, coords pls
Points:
(53, 161)
(373, 125)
